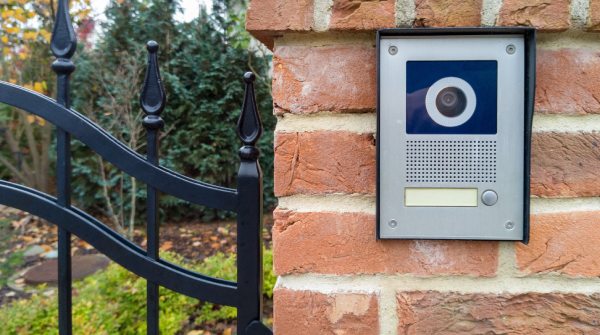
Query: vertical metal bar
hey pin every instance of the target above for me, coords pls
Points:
(152, 100)
(63, 174)
(63, 46)
(152, 233)
(249, 221)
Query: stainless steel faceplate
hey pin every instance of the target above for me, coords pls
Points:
(432, 156)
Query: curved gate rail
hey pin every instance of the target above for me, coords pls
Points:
(246, 200)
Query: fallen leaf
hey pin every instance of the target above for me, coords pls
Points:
(22, 222)
(166, 246)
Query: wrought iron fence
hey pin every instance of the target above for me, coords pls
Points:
(245, 294)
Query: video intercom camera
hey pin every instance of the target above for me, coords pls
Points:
(454, 114)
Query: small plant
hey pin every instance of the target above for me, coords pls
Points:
(224, 266)
(9, 265)
(113, 301)
(11, 261)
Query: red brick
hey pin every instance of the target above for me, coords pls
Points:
(362, 14)
(566, 243)
(447, 13)
(594, 16)
(567, 81)
(342, 79)
(545, 15)
(332, 78)
(566, 165)
(268, 18)
(324, 162)
(345, 243)
(321, 162)
(522, 314)
(305, 312)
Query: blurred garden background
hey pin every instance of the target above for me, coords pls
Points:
(204, 51)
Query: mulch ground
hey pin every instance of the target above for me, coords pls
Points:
(192, 240)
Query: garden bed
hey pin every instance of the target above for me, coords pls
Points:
(206, 247)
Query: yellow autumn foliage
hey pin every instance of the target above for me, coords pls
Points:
(35, 119)
(20, 24)
(40, 87)
(30, 35)
(6, 14)
(26, 25)
(12, 30)
(46, 35)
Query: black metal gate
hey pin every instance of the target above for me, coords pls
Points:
(246, 200)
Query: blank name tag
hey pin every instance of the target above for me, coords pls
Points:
(440, 197)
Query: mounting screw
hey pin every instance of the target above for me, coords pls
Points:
(393, 50)
(509, 225)
(510, 49)
(393, 223)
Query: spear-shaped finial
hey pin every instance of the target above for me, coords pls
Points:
(249, 127)
(64, 41)
(153, 98)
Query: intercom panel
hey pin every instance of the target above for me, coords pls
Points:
(454, 127)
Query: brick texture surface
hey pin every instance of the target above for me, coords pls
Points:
(324, 162)
(563, 164)
(305, 312)
(447, 13)
(524, 314)
(566, 243)
(362, 14)
(593, 23)
(281, 15)
(267, 18)
(344, 243)
(331, 78)
(342, 79)
(545, 15)
(568, 81)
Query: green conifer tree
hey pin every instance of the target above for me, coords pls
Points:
(202, 64)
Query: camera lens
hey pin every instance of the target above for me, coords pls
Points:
(451, 101)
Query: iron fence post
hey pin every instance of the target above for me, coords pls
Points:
(249, 219)
(152, 101)
(63, 45)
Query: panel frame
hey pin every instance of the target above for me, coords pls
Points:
(529, 37)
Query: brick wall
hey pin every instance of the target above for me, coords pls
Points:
(335, 278)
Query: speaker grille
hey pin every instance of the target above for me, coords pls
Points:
(451, 161)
